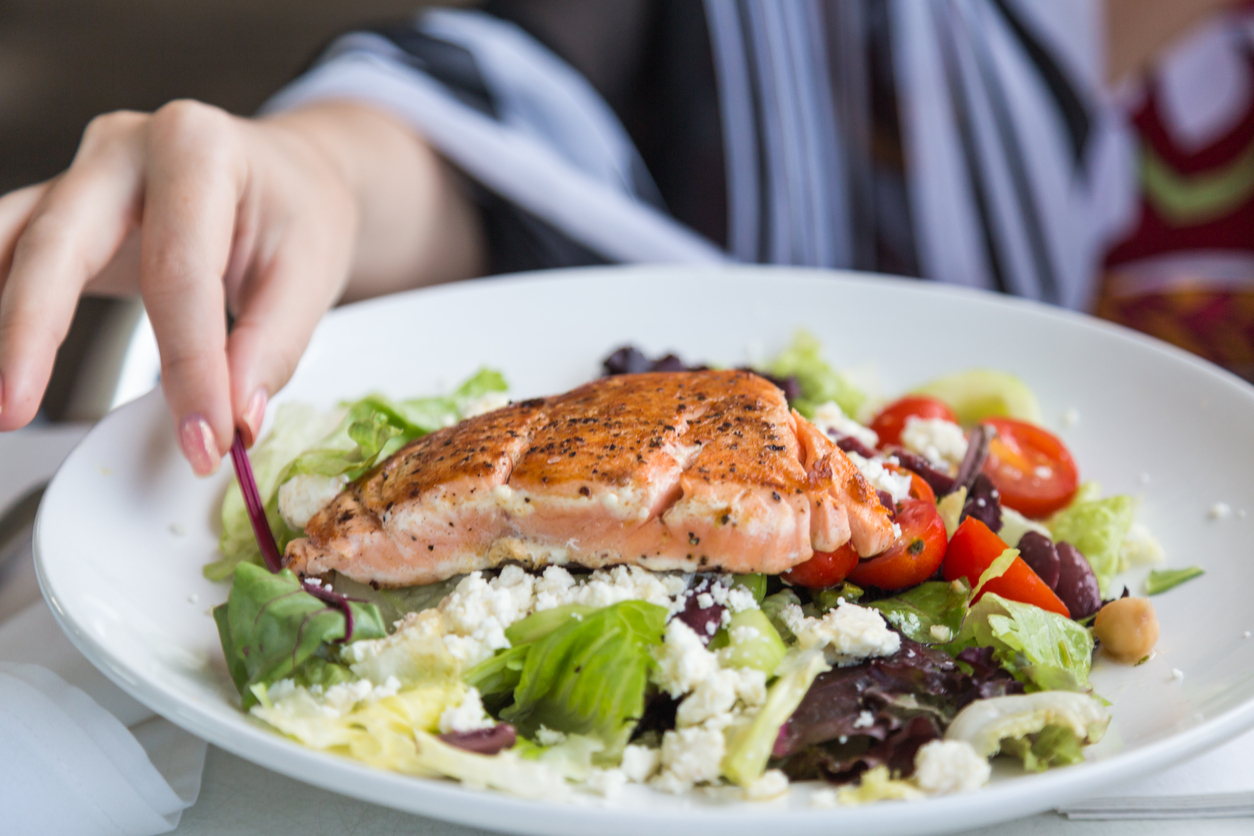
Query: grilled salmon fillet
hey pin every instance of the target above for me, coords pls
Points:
(671, 470)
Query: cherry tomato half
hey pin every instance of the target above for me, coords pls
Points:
(891, 420)
(919, 489)
(974, 547)
(824, 569)
(1030, 467)
(914, 556)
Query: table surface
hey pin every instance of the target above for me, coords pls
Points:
(238, 796)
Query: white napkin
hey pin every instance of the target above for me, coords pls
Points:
(1218, 784)
(77, 755)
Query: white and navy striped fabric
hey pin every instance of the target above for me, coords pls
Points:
(959, 140)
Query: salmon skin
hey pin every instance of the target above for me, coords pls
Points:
(691, 471)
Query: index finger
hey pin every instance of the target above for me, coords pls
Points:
(193, 184)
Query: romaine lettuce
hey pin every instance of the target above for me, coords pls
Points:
(1045, 651)
(1097, 528)
(749, 743)
(589, 675)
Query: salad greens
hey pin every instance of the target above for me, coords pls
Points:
(1097, 528)
(819, 382)
(1162, 580)
(272, 629)
(1045, 651)
(582, 683)
(589, 675)
(930, 613)
(749, 744)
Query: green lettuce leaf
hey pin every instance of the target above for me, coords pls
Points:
(1043, 650)
(271, 628)
(1165, 579)
(819, 382)
(1051, 746)
(749, 742)
(930, 613)
(1097, 528)
(589, 675)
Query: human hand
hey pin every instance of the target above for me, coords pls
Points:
(200, 212)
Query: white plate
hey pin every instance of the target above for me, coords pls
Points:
(125, 527)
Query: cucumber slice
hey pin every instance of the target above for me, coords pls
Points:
(976, 394)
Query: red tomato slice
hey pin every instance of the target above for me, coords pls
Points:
(974, 547)
(919, 488)
(824, 569)
(914, 556)
(1030, 467)
(891, 420)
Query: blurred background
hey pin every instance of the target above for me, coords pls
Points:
(1183, 271)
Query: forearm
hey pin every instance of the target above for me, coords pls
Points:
(1137, 30)
(415, 223)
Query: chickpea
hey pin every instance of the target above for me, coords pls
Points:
(1127, 629)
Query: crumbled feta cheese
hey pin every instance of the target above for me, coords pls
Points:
(940, 632)
(467, 716)
(487, 402)
(606, 782)
(693, 755)
(546, 736)
(1177, 675)
(948, 766)
(602, 588)
(740, 599)
(830, 420)
(896, 485)
(772, 784)
(712, 699)
(306, 494)
(683, 662)
(640, 762)
(936, 439)
(750, 686)
(477, 612)
(1220, 511)
(847, 634)
(705, 600)
(864, 720)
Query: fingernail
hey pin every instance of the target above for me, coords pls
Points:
(254, 414)
(199, 444)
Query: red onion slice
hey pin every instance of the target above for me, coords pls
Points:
(265, 537)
